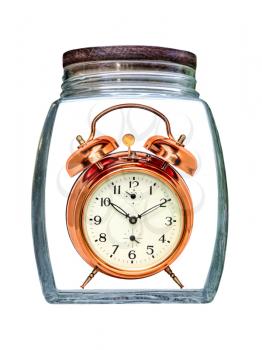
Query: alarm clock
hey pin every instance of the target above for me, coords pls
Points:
(130, 214)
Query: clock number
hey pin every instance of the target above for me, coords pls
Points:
(102, 237)
(163, 204)
(132, 254)
(105, 202)
(169, 221)
(162, 239)
(151, 188)
(97, 220)
(116, 189)
(133, 184)
(116, 247)
(150, 249)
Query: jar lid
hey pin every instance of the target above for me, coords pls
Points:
(129, 52)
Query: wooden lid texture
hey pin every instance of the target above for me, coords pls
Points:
(130, 52)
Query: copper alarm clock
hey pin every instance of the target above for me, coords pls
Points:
(130, 214)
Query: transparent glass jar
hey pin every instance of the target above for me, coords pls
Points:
(98, 78)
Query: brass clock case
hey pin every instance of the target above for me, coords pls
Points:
(117, 163)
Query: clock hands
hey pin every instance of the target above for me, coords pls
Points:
(132, 195)
(133, 219)
(154, 208)
(133, 239)
(120, 210)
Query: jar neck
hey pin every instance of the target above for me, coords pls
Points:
(128, 77)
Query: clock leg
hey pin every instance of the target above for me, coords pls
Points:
(173, 276)
(90, 276)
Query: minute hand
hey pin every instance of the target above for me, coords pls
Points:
(153, 208)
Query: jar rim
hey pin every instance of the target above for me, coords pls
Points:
(129, 52)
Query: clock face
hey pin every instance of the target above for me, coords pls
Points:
(133, 220)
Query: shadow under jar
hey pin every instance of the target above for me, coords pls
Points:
(130, 86)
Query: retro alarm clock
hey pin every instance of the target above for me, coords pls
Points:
(130, 214)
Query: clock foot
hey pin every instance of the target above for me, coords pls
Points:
(173, 276)
(89, 277)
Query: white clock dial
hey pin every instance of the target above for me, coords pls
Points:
(133, 220)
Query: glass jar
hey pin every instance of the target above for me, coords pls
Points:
(163, 79)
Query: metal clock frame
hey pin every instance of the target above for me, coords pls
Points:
(115, 164)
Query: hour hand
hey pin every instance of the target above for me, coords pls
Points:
(120, 210)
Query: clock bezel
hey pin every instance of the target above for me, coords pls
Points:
(88, 181)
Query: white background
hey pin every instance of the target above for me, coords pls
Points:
(226, 36)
